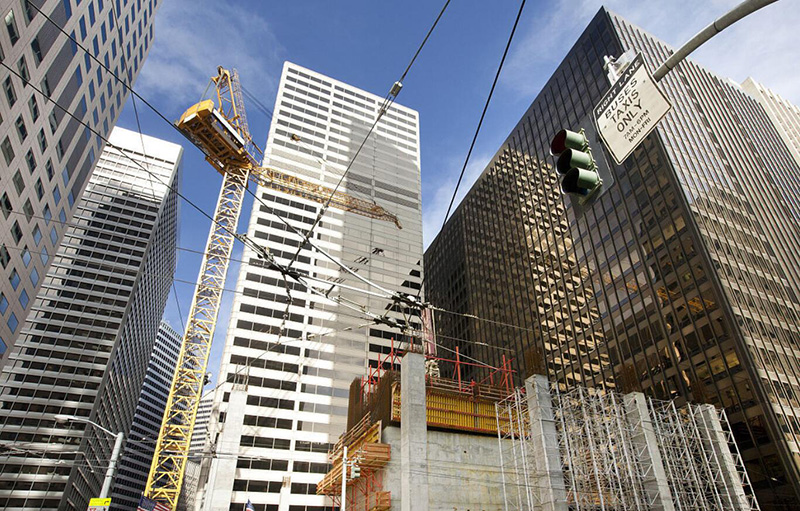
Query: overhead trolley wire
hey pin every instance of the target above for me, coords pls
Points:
(387, 101)
(480, 121)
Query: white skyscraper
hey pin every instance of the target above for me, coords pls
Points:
(286, 392)
(48, 156)
(85, 348)
(783, 114)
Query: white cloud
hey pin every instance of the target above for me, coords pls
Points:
(436, 201)
(193, 37)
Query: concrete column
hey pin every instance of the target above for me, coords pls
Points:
(413, 434)
(645, 445)
(544, 442)
(223, 470)
(718, 444)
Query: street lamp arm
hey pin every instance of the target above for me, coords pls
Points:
(67, 418)
(720, 24)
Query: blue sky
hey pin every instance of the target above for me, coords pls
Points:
(369, 43)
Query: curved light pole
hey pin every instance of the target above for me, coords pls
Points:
(112, 464)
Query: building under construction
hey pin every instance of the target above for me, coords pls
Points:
(418, 441)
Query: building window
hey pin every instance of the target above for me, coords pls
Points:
(53, 122)
(22, 66)
(3, 303)
(37, 51)
(34, 108)
(37, 235)
(5, 204)
(53, 236)
(30, 12)
(28, 209)
(23, 299)
(39, 189)
(19, 183)
(8, 150)
(22, 130)
(14, 279)
(56, 194)
(11, 94)
(42, 140)
(30, 159)
(34, 276)
(48, 166)
(60, 150)
(13, 323)
(11, 26)
(45, 86)
(16, 232)
(5, 257)
(48, 215)
(44, 256)
(26, 256)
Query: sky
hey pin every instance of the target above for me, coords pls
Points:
(369, 43)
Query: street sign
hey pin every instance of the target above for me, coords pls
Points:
(99, 504)
(630, 110)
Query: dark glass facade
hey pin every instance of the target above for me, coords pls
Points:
(681, 281)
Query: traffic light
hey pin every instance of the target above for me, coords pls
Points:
(576, 165)
(355, 471)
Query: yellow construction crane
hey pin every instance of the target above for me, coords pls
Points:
(220, 130)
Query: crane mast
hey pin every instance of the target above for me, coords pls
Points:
(172, 447)
(220, 130)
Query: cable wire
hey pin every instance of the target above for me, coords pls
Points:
(480, 121)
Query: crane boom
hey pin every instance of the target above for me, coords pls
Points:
(288, 183)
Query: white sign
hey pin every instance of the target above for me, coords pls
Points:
(630, 110)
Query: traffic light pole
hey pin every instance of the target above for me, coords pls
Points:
(720, 24)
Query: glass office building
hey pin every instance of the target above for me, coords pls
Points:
(85, 348)
(682, 280)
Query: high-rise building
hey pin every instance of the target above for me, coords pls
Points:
(783, 114)
(85, 348)
(47, 156)
(138, 454)
(290, 355)
(200, 432)
(681, 280)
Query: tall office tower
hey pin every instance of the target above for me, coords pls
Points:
(286, 387)
(200, 432)
(47, 155)
(783, 114)
(85, 348)
(681, 281)
(138, 455)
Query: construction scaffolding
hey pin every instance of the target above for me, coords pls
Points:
(367, 452)
(592, 450)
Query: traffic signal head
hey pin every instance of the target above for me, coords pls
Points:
(355, 472)
(575, 163)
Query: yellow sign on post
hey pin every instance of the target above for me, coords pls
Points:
(99, 504)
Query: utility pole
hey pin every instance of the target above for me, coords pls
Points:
(344, 479)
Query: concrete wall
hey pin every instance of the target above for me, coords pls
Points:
(463, 471)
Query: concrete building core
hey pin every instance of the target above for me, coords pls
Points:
(553, 448)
